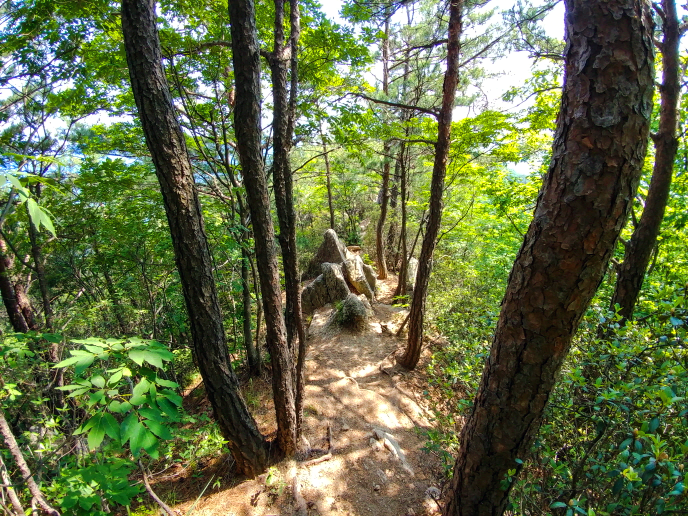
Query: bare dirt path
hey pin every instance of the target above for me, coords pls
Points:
(372, 413)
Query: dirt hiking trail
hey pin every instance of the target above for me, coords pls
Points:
(363, 420)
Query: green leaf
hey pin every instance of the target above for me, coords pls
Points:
(67, 362)
(151, 413)
(52, 337)
(166, 383)
(119, 407)
(95, 341)
(130, 427)
(83, 364)
(155, 356)
(143, 438)
(98, 381)
(97, 432)
(34, 212)
(140, 391)
(172, 396)
(557, 505)
(93, 349)
(110, 425)
(168, 408)
(116, 377)
(158, 429)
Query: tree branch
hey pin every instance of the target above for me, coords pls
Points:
(396, 104)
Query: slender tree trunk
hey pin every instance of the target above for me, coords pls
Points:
(37, 254)
(328, 182)
(24, 304)
(11, 493)
(252, 351)
(114, 296)
(386, 150)
(23, 467)
(639, 248)
(284, 196)
(246, 58)
(9, 297)
(115, 299)
(167, 146)
(402, 280)
(439, 170)
(598, 152)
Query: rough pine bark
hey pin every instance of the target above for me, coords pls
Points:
(451, 78)
(597, 156)
(168, 150)
(246, 59)
(279, 60)
(639, 248)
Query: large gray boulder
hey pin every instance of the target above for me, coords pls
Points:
(355, 274)
(370, 276)
(332, 250)
(353, 313)
(329, 287)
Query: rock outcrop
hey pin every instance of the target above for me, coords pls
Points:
(330, 251)
(353, 313)
(339, 272)
(329, 287)
(356, 275)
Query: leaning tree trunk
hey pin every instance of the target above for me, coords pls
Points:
(246, 58)
(9, 296)
(168, 150)
(439, 170)
(639, 248)
(597, 156)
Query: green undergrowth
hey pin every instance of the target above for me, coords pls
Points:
(117, 411)
(614, 440)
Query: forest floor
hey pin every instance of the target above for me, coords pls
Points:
(362, 408)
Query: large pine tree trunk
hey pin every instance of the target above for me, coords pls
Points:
(246, 58)
(639, 248)
(167, 146)
(597, 156)
(439, 170)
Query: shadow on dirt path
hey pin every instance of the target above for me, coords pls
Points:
(368, 413)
